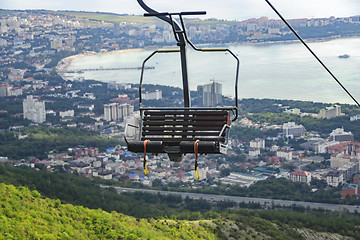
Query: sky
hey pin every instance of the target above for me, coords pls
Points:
(224, 9)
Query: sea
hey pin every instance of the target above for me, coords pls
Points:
(269, 70)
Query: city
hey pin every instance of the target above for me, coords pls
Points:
(283, 157)
(34, 42)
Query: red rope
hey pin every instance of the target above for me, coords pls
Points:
(196, 149)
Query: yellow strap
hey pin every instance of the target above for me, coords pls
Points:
(145, 165)
(168, 50)
(146, 170)
(213, 49)
(196, 150)
(197, 173)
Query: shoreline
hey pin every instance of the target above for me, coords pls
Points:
(65, 63)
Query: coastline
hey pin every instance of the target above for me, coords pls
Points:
(65, 63)
(308, 40)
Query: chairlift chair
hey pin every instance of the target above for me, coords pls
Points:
(179, 131)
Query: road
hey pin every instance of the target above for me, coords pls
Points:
(262, 201)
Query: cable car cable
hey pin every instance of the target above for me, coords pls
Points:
(303, 42)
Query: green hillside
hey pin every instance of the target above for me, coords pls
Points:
(108, 17)
(25, 215)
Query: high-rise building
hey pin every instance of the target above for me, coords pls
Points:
(210, 94)
(117, 29)
(255, 146)
(34, 110)
(117, 111)
(257, 143)
(4, 90)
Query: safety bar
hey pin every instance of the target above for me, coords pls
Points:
(143, 68)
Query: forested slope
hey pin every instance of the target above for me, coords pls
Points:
(25, 215)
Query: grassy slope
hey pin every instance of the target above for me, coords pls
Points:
(25, 215)
(108, 17)
(111, 17)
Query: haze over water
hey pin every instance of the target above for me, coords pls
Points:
(277, 71)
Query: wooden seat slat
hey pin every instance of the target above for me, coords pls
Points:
(187, 118)
(174, 126)
(177, 140)
(181, 124)
(181, 128)
(182, 133)
(184, 112)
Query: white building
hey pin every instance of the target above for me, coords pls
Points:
(285, 153)
(340, 135)
(350, 169)
(243, 179)
(300, 176)
(253, 152)
(157, 95)
(9, 90)
(4, 89)
(339, 160)
(257, 143)
(34, 110)
(355, 118)
(69, 113)
(334, 178)
(321, 146)
(330, 112)
(292, 130)
(210, 94)
(117, 111)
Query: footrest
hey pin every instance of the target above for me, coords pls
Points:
(203, 147)
(185, 147)
(151, 147)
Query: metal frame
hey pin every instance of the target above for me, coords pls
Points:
(181, 38)
(174, 151)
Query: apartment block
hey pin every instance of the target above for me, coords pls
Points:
(34, 109)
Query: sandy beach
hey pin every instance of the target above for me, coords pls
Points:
(65, 63)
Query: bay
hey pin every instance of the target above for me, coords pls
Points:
(277, 70)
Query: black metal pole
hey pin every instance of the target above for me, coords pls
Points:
(181, 43)
(184, 72)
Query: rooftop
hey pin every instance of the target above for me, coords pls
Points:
(300, 173)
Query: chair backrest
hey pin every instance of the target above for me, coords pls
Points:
(184, 125)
